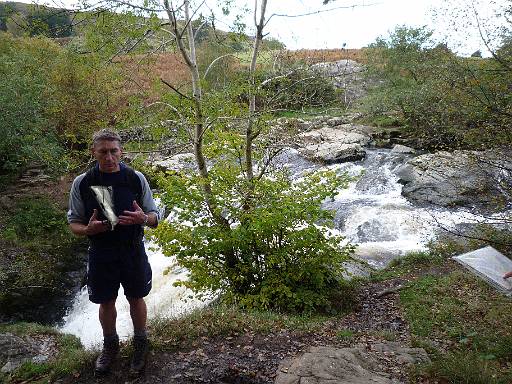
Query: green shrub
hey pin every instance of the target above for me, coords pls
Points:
(38, 220)
(276, 253)
(51, 100)
(445, 101)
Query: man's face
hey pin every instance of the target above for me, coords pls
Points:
(108, 154)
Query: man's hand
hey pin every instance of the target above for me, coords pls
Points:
(136, 217)
(96, 226)
(507, 275)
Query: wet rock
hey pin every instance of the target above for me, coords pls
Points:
(399, 148)
(330, 153)
(459, 178)
(16, 350)
(334, 145)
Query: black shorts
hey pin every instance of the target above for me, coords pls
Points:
(107, 269)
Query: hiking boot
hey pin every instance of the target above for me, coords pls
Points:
(140, 354)
(107, 356)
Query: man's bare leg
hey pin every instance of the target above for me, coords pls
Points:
(108, 316)
(138, 312)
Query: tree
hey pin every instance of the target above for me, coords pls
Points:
(256, 236)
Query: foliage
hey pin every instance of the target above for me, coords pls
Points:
(446, 101)
(275, 255)
(51, 100)
(298, 89)
(225, 320)
(37, 220)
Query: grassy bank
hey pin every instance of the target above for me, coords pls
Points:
(464, 324)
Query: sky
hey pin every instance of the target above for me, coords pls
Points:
(355, 23)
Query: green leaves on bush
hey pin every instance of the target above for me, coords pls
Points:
(277, 251)
(446, 101)
(37, 219)
(51, 100)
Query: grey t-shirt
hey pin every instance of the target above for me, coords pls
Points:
(76, 212)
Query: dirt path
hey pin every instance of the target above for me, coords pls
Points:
(254, 359)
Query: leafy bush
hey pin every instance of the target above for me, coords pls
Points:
(51, 100)
(39, 220)
(277, 254)
(446, 101)
(297, 89)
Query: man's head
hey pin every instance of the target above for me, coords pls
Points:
(106, 149)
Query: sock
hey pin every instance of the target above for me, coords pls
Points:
(111, 338)
(140, 333)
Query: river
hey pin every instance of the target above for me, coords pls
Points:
(371, 212)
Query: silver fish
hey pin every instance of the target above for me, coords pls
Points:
(104, 197)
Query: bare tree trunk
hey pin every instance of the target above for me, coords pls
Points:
(250, 135)
(191, 61)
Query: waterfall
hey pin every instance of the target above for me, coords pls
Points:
(164, 300)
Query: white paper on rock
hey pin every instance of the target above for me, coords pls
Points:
(490, 265)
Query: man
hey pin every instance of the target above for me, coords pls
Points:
(114, 225)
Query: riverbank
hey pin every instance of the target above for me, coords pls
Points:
(423, 301)
(42, 264)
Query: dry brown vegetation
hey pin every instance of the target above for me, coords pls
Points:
(142, 72)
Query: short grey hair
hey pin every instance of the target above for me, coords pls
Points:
(105, 134)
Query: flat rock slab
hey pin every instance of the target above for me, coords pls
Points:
(16, 350)
(329, 365)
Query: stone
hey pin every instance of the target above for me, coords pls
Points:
(460, 178)
(16, 350)
(7, 203)
(177, 162)
(399, 148)
(334, 144)
(330, 153)
(348, 75)
(329, 365)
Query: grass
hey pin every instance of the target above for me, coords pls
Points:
(222, 320)
(345, 334)
(407, 264)
(463, 323)
(470, 319)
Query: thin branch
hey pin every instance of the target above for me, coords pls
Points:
(176, 90)
(214, 61)
(320, 11)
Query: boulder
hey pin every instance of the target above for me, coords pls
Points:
(16, 350)
(348, 75)
(402, 149)
(460, 178)
(329, 365)
(333, 135)
(330, 153)
(176, 163)
(334, 144)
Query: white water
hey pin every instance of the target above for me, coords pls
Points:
(371, 213)
(164, 300)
